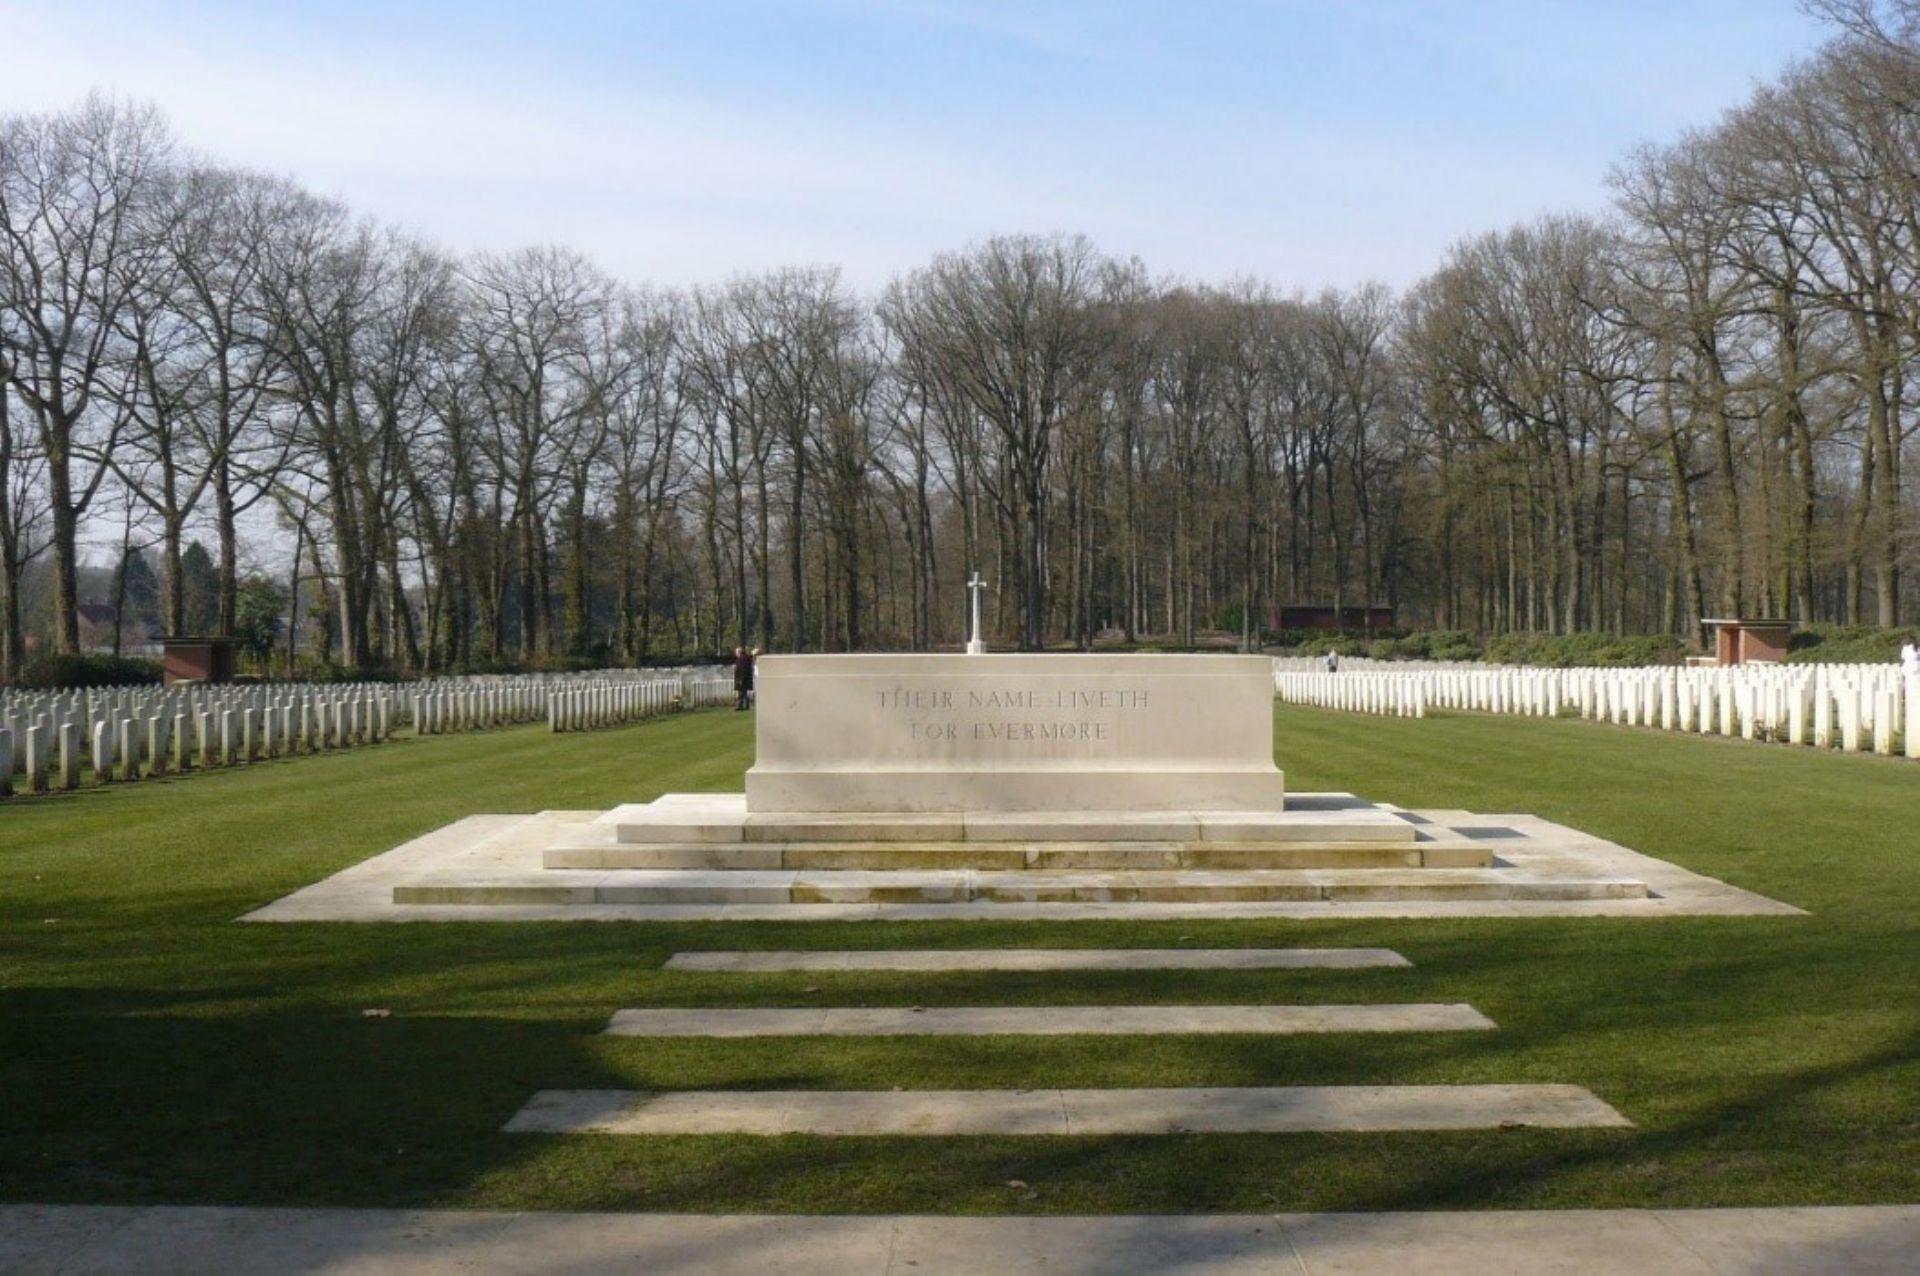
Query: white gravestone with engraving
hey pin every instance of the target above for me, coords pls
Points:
(985, 733)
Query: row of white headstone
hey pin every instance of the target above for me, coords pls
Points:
(1851, 707)
(442, 706)
(47, 739)
(51, 739)
(612, 704)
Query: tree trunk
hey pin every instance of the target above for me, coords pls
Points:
(66, 574)
(227, 520)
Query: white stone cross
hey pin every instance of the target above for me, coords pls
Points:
(975, 587)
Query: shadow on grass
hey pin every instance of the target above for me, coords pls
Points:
(152, 1050)
(144, 1095)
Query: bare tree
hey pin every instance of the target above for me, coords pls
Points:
(78, 192)
(1013, 327)
(542, 380)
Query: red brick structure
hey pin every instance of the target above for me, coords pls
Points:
(1750, 642)
(1331, 618)
(197, 659)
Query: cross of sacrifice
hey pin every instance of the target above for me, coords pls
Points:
(975, 587)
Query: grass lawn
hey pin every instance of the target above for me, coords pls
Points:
(152, 1050)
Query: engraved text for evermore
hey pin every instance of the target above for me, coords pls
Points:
(979, 713)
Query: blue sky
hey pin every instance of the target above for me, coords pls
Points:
(1311, 142)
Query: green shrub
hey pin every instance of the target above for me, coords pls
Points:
(1455, 645)
(556, 663)
(1429, 644)
(330, 672)
(1310, 641)
(1847, 645)
(1321, 644)
(89, 671)
(1583, 650)
(482, 665)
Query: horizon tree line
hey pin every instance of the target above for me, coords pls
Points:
(1700, 403)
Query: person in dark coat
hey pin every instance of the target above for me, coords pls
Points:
(743, 676)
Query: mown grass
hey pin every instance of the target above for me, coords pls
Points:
(151, 1049)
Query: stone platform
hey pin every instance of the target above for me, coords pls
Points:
(1334, 855)
(704, 849)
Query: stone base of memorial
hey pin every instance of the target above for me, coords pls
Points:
(707, 819)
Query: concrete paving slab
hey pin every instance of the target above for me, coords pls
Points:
(694, 887)
(1471, 883)
(680, 817)
(1866, 1240)
(1365, 824)
(1025, 959)
(910, 856)
(1082, 826)
(1839, 1240)
(902, 886)
(1543, 1243)
(834, 1113)
(212, 1239)
(722, 802)
(688, 1245)
(1454, 856)
(1216, 1245)
(652, 1112)
(1329, 801)
(633, 855)
(279, 1242)
(1045, 1021)
(1241, 1110)
(1335, 1109)
(42, 1238)
(1234, 855)
(854, 828)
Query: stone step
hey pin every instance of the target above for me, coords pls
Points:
(709, 818)
(1265, 1110)
(1018, 959)
(648, 886)
(1021, 857)
(1046, 1021)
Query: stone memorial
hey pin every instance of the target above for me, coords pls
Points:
(929, 733)
(1062, 748)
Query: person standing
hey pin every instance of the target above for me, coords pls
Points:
(1910, 658)
(743, 677)
(1333, 661)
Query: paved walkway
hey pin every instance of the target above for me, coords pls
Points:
(98, 1239)
(923, 1113)
(1044, 1021)
(1041, 959)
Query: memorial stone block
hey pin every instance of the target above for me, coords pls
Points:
(913, 733)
